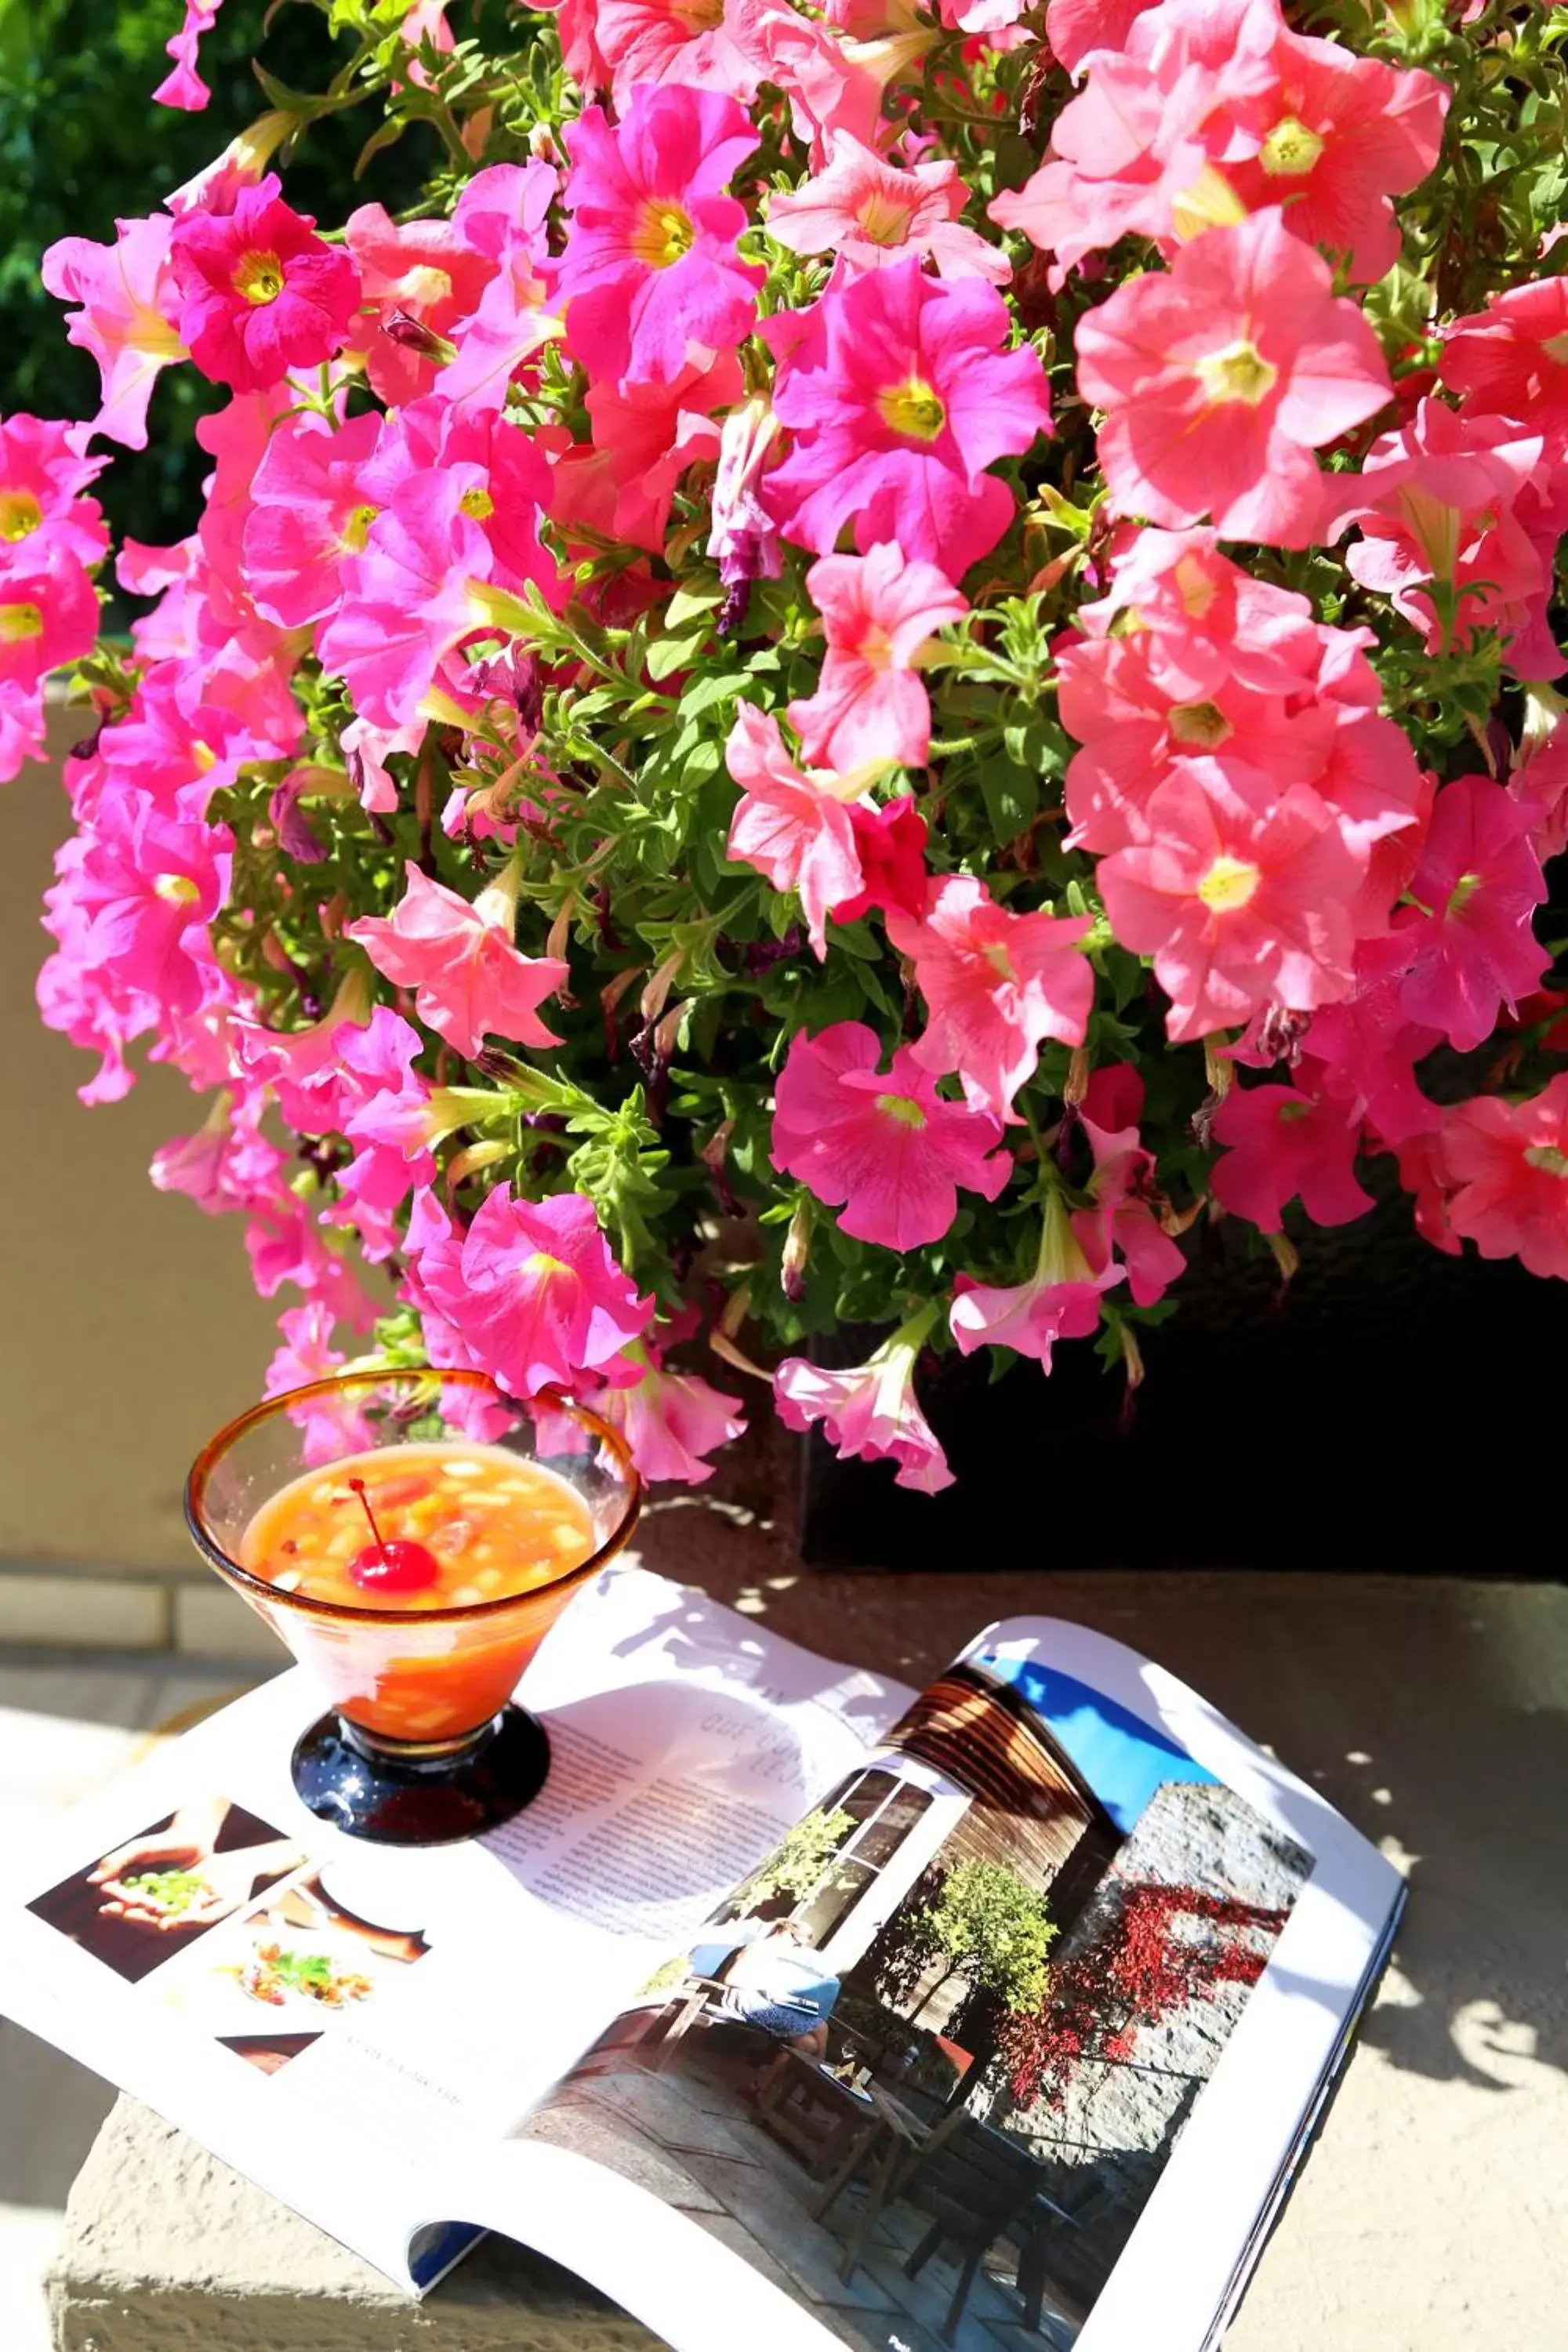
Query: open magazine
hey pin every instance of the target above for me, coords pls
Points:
(798, 2003)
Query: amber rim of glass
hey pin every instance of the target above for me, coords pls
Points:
(274, 1408)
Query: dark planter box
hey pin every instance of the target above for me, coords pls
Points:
(1397, 1409)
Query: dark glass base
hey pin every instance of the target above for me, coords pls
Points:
(398, 1794)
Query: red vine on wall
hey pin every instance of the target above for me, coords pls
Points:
(1136, 1973)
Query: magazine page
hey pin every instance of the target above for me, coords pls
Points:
(193, 1934)
(1010, 2038)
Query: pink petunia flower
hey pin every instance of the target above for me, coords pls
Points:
(150, 885)
(468, 978)
(309, 512)
(996, 985)
(1222, 377)
(183, 87)
(882, 1147)
(1074, 27)
(227, 1163)
(670, 1419)
(649, 281)
(1239, 895)
(457, 494)
(44, 470)
(1060, 1300)
(1503, 1170)
(1466, 947)
(261, 291)
(899, 394)
(878, 613)
(868, 213)
(870, 1410)
(503, 213)
(1281, 1143)
(129, 316)
(531, 1288)
(48, 615)
(700, 44)
(330, 1427)
(795, 827)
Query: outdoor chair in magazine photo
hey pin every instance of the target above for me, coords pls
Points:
(785, 1016)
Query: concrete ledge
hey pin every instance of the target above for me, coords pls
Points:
(167, 2249)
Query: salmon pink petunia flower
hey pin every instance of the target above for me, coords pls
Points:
(878, 612)
(900, 393)
(1239, 895)
(470, 980)
(996, 985)
(650, 280)
(1511, 359)
(870, 1410)
(1503, 1168)
(701, 44)
(261, 291)
(869, 212)
(129, 317)
(420, 275)
(794, 826)
(1435, 504)
(1221, 378)
(882, 1147)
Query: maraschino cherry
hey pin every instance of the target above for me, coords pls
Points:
(400, 1566)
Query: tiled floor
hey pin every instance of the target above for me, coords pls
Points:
(62, 1730)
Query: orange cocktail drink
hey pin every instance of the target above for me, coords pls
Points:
(413, 1536)
(409, 1532)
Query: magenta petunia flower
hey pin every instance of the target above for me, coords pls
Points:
(1241, 895)
(795, 828)
(650, 281)
(870, 1410)
(44, 470)
(183, 87)
(261, 293)
(900, 393)
(1221, 378)
(470, 980)
(309, 511)
(882, 1147)
(879, 611)
(996, 985)
(1280, 1144)
(1467, 946)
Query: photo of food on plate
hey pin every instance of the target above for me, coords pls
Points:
(268, 1985)
(152, 1896)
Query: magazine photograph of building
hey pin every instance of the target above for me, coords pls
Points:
(924, 2069)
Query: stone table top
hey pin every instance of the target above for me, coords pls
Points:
(1434, 1712)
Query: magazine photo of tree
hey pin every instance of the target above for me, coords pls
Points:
(927, 2064)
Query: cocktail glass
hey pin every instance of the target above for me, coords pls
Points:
(423, 1743)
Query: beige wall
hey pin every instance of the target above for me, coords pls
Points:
(130, 1328)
